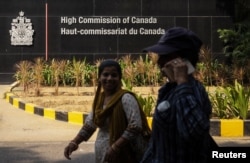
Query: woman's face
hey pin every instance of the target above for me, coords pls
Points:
(162, 61)
(110, 79)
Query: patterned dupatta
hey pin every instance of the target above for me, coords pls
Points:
(114, 111)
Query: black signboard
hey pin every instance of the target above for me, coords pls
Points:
(95, 29)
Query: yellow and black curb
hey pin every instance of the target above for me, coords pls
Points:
(219, 127)
(71, 117)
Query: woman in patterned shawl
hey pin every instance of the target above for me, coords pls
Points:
(115, 112)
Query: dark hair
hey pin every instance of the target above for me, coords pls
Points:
(192, 56)
(109, 63)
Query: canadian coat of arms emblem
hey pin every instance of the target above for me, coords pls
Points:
(21, 32)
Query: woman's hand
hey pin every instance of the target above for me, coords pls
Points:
(176, 70)
(69, 149)
(111, 155)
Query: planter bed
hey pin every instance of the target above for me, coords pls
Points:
(219, 127)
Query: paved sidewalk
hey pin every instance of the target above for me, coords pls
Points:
(18, 125)
(27, 137)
